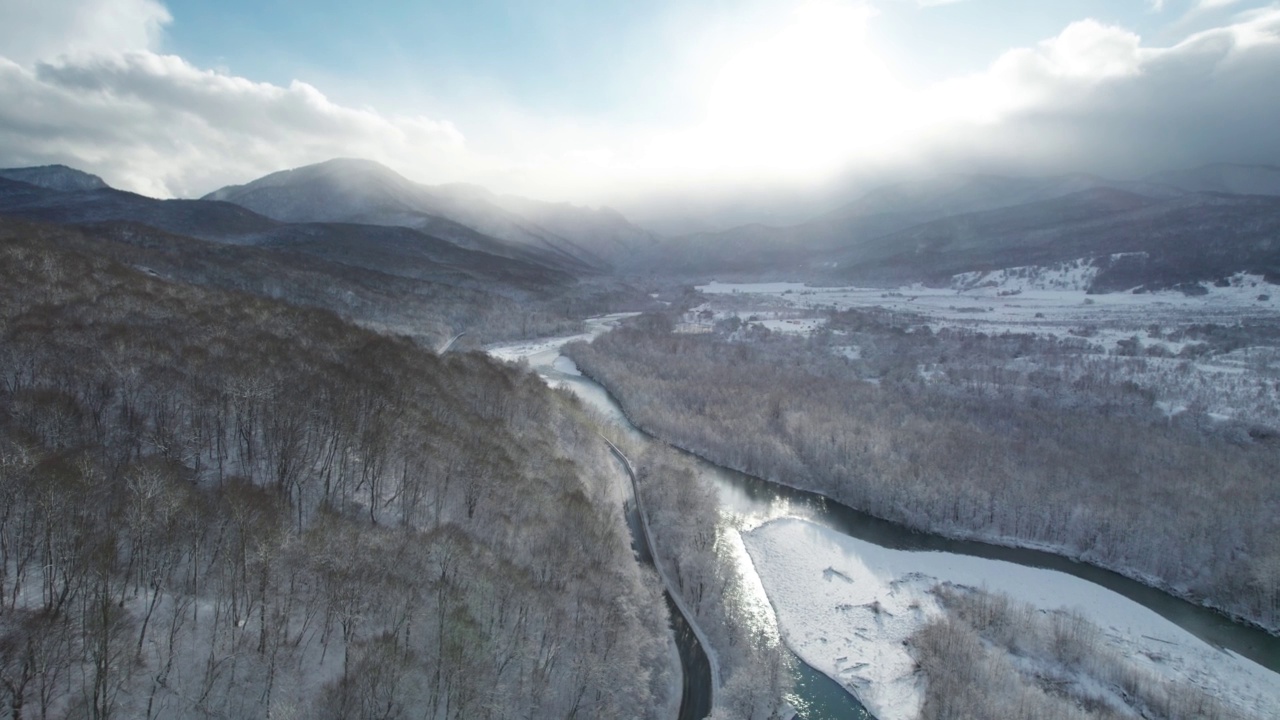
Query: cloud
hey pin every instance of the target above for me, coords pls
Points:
(1094, 98)
(1215, 4)
(158, 125)
(96, 93)
(35, 30)
(82, 83)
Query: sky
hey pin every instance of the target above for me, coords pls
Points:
(601, 100)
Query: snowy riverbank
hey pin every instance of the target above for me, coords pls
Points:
(846, 606)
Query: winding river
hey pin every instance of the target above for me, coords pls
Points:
(756, 501)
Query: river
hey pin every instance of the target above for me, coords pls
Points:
(756, 501)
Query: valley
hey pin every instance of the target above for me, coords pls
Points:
(328, 444)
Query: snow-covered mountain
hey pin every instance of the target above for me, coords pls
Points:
(1138, 241)
(55, 177)
(366, 192)
(454, 254)
(1211, 220)
(882, 212)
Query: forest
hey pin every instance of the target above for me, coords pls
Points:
(991, 656)
(693, 540)
(1085, 469)
(218, 504)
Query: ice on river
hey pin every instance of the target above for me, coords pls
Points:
(845, 606)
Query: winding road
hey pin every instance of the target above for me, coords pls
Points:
(701, 674)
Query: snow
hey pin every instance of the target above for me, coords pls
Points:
(545, 350)
(845, 606)
(1041, 300)
(1076, 275)
(566, 366)
(1048, 302)
(801, 326)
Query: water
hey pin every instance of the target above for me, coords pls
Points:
(755, 501)
(818, 697)
(814, 696)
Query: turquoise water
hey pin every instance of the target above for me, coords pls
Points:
(818, 697)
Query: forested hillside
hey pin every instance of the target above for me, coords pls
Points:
(1168, 504)
(694, 544)
(216, 504)
(422, 300)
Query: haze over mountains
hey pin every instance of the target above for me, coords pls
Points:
(929, 230)
(215, 300)
(398, 277)
(365, 192)
(1173, 228)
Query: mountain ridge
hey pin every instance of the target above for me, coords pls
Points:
(367, 192)
(55, 177)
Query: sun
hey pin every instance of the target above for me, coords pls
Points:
(808, 97)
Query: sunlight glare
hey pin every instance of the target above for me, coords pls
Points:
(807, 98)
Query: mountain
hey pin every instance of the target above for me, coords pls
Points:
(223, 222)
(921, 200)
(365, 192)
(55, 177)
(1224, 178)
(420, 284)
(1134, 240)
(877, 213)
(386, 249)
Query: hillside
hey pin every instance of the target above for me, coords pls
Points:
(428, 302)
(55, 177)
(1189, 239)
(411, 281)
(1224, 178)
(220, 504)
(207, 220)
(362, 191)
(930, 230)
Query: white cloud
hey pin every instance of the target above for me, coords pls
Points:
(810, 98)
(156, 124)
(81, 83)
(1095, 98)
(36, 30)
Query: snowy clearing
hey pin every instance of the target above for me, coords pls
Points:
(1158, 330)
(1053, 305)
(845, 606)
(550, 347)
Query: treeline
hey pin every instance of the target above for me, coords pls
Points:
(695, 546)
(214, 504)
(1161, 503)
(991, 656)
(1224, 369)
(415, 298)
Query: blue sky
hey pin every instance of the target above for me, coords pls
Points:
(580, 99)
(594, 57)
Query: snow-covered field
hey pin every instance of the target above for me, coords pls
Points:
(1053, 304)
(845, 606)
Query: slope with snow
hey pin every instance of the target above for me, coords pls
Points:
(363, 191)
(55, 177)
